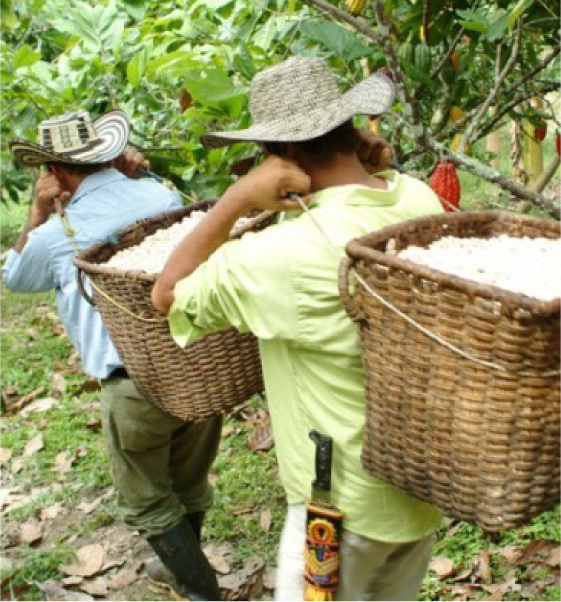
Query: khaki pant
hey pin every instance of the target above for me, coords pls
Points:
(370, 570)
(159, 463)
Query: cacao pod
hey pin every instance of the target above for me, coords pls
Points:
(445, 183)
(540, 131)
(456, 113)
(355, 7)
(407, 52)
(422, 57)
(456, 144)
(186, 100)
(455, 57)
(558, 144)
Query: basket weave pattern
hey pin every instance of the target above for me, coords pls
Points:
(479, 443)
(211, 376)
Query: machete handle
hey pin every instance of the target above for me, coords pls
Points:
(324, 455)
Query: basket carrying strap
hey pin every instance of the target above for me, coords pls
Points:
(351, 307)
(70, 234)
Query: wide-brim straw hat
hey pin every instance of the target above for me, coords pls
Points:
(75, 138)
(299, 99)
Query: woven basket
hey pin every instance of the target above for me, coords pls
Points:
(481, 444)
(211, 376)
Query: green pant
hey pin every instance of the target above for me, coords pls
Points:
(159, 463)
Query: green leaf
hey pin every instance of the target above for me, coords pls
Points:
(173, 64)
(136, 8)
(520, 7)
(335, 38)
(474, 26)
(137, 67)
(212, 89)
(25, 57)
(243, 62)
(497, 29)
(7, 16)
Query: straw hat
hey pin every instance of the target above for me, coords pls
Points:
(298, 100)
(74, 138)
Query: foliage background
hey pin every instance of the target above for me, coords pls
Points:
(179, 68)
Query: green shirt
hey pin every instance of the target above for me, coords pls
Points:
(281, 284)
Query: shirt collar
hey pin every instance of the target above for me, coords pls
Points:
(96, 180)
(358, 194)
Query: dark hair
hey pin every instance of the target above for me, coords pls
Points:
(80, 169)
(343, 139)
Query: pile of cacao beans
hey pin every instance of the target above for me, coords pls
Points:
(531, 266)
(152, 253)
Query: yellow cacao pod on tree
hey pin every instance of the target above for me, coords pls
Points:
(456, 113)
(355, 7)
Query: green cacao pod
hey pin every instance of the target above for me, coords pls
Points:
(406, 52)
(422, 57)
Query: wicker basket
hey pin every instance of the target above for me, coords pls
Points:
(481, 444)
(211, 376)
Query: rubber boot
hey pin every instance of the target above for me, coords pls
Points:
(196, 520)
(181, 553)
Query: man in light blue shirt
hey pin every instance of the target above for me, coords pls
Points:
(159, 463)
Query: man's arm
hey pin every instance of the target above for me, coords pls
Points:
(266, 188)
(46, 189)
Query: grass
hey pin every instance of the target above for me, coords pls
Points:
(246, 481)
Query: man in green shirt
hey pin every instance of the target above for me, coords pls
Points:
(281, 284)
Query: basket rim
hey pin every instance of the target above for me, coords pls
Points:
(360, 249)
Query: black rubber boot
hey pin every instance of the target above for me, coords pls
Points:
(180, 551)
(196, 520)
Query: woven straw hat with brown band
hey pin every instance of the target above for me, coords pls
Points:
(299, 99)
(75, 138)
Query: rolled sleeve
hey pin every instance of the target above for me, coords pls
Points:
(244, 284)
(28, 271)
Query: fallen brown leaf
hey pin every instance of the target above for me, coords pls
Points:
(94, 424)
(484, 566)
(89, 561)
(227, 430)
(63, 462)
(17, 465)
(533, 551)
(261, 439)
(442, 566)
(39, 405)
(53, 591)
(123, 578)
(98, 587)
(510, 553)
(270, 577)
(30, 532)
(71, 580)
(554, 558)
(34, 445)
(58, 383)
(266, 520)
(16, 405)
(219, 556)
(5, 455)
(89, 507)
(51, 511)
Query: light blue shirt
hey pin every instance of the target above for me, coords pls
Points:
(104, 202)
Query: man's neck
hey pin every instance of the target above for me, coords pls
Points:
(343, 170)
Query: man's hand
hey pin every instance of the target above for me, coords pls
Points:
(373, 151)
(268, 186)
(129, 161)
(47, 189)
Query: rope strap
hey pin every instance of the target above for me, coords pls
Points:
(410, 320)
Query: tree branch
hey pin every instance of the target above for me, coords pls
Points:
(446, 56)
(490, 124)
(495, 90)
(534, 71)
(494, 177)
